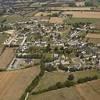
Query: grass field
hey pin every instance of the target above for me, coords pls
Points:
(3, 37)
(14, 83)
(84, 20)
(13, 18)
(86, 91)
(50, 79)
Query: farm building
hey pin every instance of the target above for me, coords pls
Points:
(80, 3)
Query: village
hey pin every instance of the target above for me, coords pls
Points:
(50, 50)
(61, 46)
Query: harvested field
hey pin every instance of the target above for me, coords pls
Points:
(14, 83)
(93, 38)
(87, 92)
(56, 20)
(6, 57)
(78, 92)
(61, 94)
(71, 8)
(82, 14)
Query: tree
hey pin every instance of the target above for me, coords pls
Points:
(71, 77)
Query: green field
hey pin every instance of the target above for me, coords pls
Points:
(13, 18)
(51, 78)
(84, 20)
(86, 91)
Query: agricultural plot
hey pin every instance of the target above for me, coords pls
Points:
(79, 92)
(3, 37)
(82, 14)
(84, 20)
(50, 79)
(70, 8)
(14, 83)
(6, 57)
(93, 38)
(56, 20)
(13, 18)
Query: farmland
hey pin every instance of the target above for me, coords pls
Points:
(14, 83)
(45, 52)
(82, 14)
(70, 8)
(86, 91)
(6, 57)
(46, 82)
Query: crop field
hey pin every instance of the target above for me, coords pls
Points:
(56, 20)
(50, 79)
(82, 14)
(13, 18)
(14, 83)
(93, 38)
(3, 37)
(70, 8)
(84, 20)
(86, 91)
(6, 57)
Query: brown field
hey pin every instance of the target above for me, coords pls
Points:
(93, 35)
(86, 91)
(82, 14)
(93, 38)
(56, 20)
(70, 8)
(14, 83)
(6, 57)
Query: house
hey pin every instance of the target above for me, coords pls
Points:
(80, 3)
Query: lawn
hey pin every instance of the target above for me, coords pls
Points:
(51, 78)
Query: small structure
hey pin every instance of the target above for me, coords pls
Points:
(80, 3)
